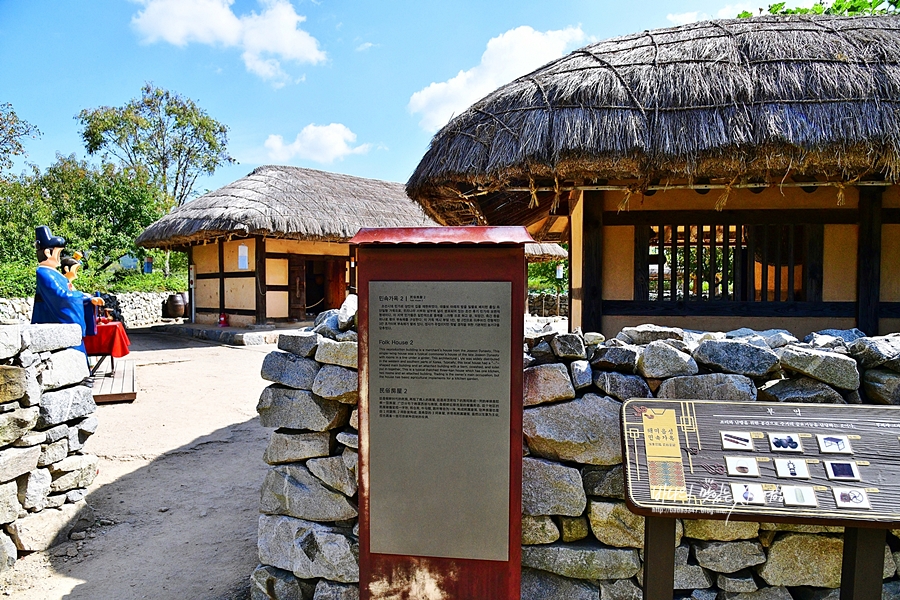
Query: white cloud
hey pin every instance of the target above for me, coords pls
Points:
(364, 46)
(729, 11)
(686, 17)
(266, 39)
(320, 143)
(507, 56)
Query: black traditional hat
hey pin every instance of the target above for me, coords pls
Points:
(44, 239)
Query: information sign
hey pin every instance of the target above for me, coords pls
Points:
(792, 463)
(441, 319)
(823, 463)
(438, 407)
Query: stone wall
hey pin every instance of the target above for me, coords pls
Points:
(134, 309)
(46, 416)
(545, 305)
(579, 539)
(308, 529)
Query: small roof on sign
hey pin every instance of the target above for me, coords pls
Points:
(442, 235)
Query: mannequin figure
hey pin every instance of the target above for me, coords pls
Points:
(54, 301)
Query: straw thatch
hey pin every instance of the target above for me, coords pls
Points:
(288, 202)
(535, 253)
(737, 100)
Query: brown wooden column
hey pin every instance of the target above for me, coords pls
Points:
(592, 261)
(260, 253)
(220, 248)
(576, 277)
(869, 259)
(188, 311)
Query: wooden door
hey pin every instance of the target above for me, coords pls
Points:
(297, 285)
(335, 283)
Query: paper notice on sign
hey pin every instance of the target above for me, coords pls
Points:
(439, 418)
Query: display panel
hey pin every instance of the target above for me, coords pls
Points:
(439, 418)
(744, 460)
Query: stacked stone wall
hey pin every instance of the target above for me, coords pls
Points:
(308, 526)
(579, 539)
(134, 309)
(46, 416)
(545, 305)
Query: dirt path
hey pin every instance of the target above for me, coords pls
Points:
(178, 486)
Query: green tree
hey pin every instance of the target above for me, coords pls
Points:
(23, 205)
(167, 135)
(102, 209)
(848, 8)
(164, 134)
(12, 130)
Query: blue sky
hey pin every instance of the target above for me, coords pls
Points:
(352, 87)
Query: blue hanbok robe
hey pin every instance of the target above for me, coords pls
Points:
(54, 302)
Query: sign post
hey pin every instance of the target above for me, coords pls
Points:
(441, 319)
(820, 464)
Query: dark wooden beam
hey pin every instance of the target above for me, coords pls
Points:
(659, 558)
(592, 262)
(869, 260)
(549, 222)
(727, 308)
(260, 254)
(220, 246)
(747, 217)
(863, 562)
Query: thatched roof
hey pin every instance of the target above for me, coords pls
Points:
(738, 100)
(545, 252)
(288, 202)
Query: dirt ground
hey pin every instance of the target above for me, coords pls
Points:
(177, 494)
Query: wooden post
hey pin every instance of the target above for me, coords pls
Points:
(659, 558)
(869, 260)
(592, 261)
(220, 248)
(575, 254)
(260, 279)
(189, 309)
(863, 564)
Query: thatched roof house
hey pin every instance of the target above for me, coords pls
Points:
(273, 245)
(287, 203)
(615, 146)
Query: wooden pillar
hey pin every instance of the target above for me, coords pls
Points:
(863, 563)
(592, 262)
(188, 310)
(869, 259)
(260, 253)
(659, 558)
(220, 248)
(576, 274)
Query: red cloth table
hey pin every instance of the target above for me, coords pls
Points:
(111, 340)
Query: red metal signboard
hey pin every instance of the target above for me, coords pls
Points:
(440, 420)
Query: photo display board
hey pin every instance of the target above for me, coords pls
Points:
(439, 418)
(791, 462)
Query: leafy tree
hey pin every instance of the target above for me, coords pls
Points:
(101, 210)
(22, 207)
(163, 133)
(12, 130)
(542, 276)
(849, 8)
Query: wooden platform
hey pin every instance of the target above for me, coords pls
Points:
(120, 386)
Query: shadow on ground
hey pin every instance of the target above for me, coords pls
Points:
(182, 526)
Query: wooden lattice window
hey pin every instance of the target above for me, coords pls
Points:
(765, 262)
